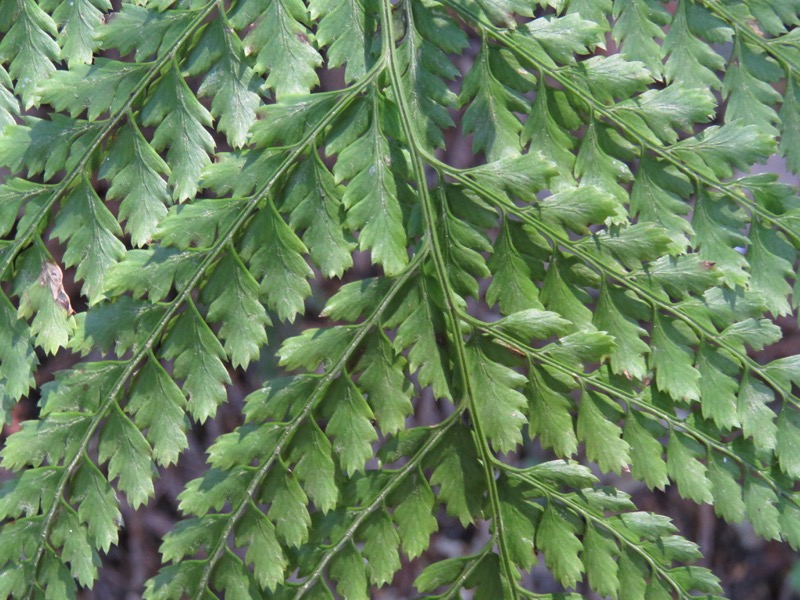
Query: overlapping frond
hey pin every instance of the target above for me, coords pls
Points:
(202, 169)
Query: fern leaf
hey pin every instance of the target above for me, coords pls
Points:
(429, 335)
(134, 170)
(281, 43)
(492, 103)
(180, 122)
(690, 61)
(637, 28)
(204, 379)
(371, 195)
(28, 47)
(427, 69)
(229, 80)
(315, 205)
(90, 232)
(273, 253)
(347, 28)
(9, 106)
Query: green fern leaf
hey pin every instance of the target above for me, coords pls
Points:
(559, 40)
(556, 537)
(790, 117)
(45, 146)
(512, 284)
(503, 418)
(347, 29)
(388, 391)
(52, 324)
(349, 571)
(150, 272)
(264, 551)
(380, 548)
(690, 61)
(229, 80)
(205, 379)
(420, 325)
(673, 360)
(774, 17)
(9, 106)
(158, 407)
(90, 232)
(684, 467)
(147, 32)
(180, 122)
(427, 69)
(104, 86)
(371, 196)
(751, 97)
(128, 456)
(647, 463)
(28, 48)
(414, 515)
(349, 426)
(548, 412)
(603, 438)
(281, 43)
(134, 170)
(638, 28)
(592, 278)
(236, 306)
(458, 476)
(315, 204)
(273, 253)
(16, 352)
(492, 103)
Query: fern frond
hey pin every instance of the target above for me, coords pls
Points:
(590, 289)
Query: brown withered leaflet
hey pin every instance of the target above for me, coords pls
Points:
(53, 277)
